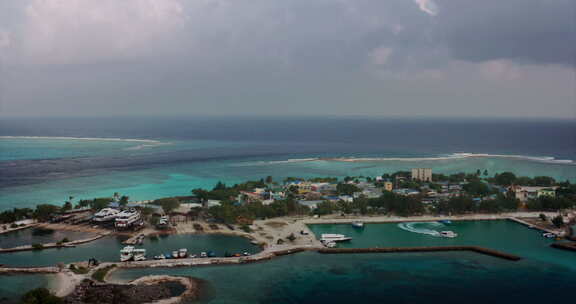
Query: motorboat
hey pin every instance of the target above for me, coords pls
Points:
(175, 254)
(211, 254)
(127, 218)
(183, 253)
(357, 224)
(139, 254)
(160, 257)
(329, 244)
(127, 254)
(334, 237)
(448, 234)
(203, 254)
(246, 253)
(445, 222)
(105, 215)
(549, 235)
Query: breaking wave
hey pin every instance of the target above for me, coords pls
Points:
(421, 227)
(144, 143)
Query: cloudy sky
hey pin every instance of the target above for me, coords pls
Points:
(436, 58)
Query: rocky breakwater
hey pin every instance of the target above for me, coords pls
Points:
(149, 289)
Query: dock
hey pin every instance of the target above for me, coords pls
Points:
(52, 245)
(571, 246)
(476, 249)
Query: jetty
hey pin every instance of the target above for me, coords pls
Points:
(571, 246)
(53, 245)
(476, 249)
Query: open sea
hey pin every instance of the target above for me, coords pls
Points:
(47, 160)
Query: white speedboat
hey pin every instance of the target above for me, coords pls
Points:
(139, 254)
(127, 254)
(175, 254)
(329, 244)
(160, 257)
(448, 234)
(357, 224)
(105, 215)
(329, 237)
(183, 253)
(203, 254)
(549, 235)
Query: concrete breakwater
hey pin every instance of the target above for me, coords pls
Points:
(52, 245)
(571, 246)
(272, 253)
(477, 249)
(14, 270)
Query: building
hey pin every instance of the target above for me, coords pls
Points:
(525, 193)
(422, 174)
(388, 186)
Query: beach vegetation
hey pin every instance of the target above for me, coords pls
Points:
(37, 246)
(78, 269)
(40, 296)
(168, 204)
(346, 189)
(44, 212)
(101, 273)
(558, 221)
(505, 178)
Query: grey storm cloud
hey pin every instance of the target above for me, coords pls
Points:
(527, 31)
(393, 57)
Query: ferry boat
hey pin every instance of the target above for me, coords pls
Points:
(183, 253)
(127, 218)
(448, 234)
(139, 254)
(357, 224)
(127, 254)
(105, 215)
(329, 237)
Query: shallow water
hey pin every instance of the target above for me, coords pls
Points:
(12, 287)
(191, 153)
(29, 237)
(107, 249)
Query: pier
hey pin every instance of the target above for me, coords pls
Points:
(476, 249)
(52, 245)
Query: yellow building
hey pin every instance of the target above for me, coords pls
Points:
(388, 186)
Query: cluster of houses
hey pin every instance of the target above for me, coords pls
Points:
(310, 193)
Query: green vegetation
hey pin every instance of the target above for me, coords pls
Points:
(37, 246)
(100, 274)
(78, 270)
(167, 204)
(558, 221)
(40, 296)
(346, 189)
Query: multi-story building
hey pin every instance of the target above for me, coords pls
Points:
(422, 174)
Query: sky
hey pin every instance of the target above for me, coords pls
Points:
(389, 58)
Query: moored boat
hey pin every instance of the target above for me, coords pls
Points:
(183, 253)
(127, 254)
(448, 234)
(334, 237)
(445, 222)
(139, 254)
(358, 224)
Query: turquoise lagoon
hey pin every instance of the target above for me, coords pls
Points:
(503, 235)
(12, 287)
(107, 249)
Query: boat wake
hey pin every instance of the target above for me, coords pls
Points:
(422, 227)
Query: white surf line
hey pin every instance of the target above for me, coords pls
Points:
(83, 138)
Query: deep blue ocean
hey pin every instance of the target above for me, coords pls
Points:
(50, 159)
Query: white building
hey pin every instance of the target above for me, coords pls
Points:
(422, 174)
